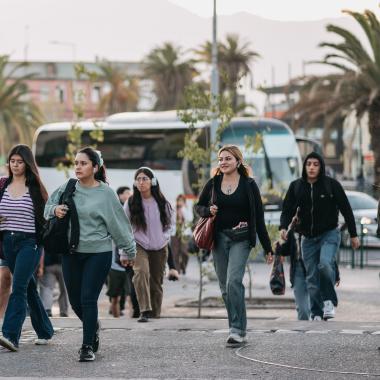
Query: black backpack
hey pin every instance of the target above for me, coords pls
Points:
(55, 239)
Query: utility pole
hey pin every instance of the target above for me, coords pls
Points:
(214, 79)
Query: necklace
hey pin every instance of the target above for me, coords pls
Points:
(229, 189)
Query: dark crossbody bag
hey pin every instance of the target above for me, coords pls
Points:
(55, 234)
(237, 234)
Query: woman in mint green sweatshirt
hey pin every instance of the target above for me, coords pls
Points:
(101, 219)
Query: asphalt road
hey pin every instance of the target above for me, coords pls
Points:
(195, 349)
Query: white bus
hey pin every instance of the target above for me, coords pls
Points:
(154, 139)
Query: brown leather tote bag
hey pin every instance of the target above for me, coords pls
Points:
(204, 233)
(204, 230)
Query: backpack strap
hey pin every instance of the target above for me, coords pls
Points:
(69, 191)
(328, 186)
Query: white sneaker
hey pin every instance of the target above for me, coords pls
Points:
(42, 342)
(235, 339)
(317, 318)
(328, 310)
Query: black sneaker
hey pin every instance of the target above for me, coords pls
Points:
(86, 354)
(144, 317)
(96, 343)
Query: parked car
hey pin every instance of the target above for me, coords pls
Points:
(364, 208)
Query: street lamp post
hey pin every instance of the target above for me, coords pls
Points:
(214, 79)
(363, 230)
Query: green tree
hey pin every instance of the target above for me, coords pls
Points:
(234, 58)
(124, 90)
(359, 84)
(319, 103)
(170, 73)
(19, 116)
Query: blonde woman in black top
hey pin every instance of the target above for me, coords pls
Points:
(234, 198)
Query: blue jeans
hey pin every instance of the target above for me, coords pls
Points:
(230, 259)
(23, 256)
(301, 294)
(84, 275)
(319, 255)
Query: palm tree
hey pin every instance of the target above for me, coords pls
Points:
(124, 90)
(359, 85)
(322, 101)
(171, 73)
(234, 58)
(19, 116)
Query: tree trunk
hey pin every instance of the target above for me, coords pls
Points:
(374, 130)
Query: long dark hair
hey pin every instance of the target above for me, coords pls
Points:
(100, 175)
(33, 181)
(136, 207)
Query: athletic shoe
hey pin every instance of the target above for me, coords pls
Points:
(328, 310)
(144, 317)
(317, 318)
(64, 315)
(96, 343)
(235, 339)
(86, 354)
(41, 342)
(8, 344)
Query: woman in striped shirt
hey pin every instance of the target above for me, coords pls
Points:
(22, 202)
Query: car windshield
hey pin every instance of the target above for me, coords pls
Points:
(361, 201)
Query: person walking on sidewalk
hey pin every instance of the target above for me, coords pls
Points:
(52, 274)
(319, 198)
(101, 218)
(234, 198)
(179, 240)
(152, 219)
(23, 198)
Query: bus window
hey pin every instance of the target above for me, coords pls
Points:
(121, 149)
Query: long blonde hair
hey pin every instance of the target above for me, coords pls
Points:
(243, 169)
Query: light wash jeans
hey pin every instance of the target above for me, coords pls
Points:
(301, 294)
(319, 255)
(230, 259)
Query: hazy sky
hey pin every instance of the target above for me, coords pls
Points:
(280, 9)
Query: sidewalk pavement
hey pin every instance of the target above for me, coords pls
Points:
(180, 347)
(195, 349)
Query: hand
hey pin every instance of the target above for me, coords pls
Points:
(269, 258)
(127, 262)
(60, 211)
(40, 271)
(284, 234)
(337, 283)
(355, 243)
(173, 275)
(240, 225)
(2, 218)
(213, 210)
